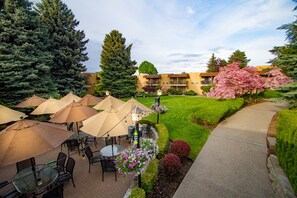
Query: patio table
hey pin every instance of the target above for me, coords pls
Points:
(28, 181)
(111, 150)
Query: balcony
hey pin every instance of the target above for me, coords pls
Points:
(179, 83)
(206, 82)
(152, 83)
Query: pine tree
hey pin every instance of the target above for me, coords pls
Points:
(24, 58)
(212, 64)
(239, 56)
(68, 46)
(117, 66)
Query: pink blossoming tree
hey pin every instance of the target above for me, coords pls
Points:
(232, 82)
(276, 78)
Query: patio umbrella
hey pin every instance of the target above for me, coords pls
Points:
(9, 115)
(132, 104)
(90, 100)
(107, 123)
(33, 101)
(75, 112)
(70, 97)
(50, 106)
(108, 102)
(27, 138)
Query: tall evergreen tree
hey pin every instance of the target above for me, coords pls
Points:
(212, 64)
(68, 46)
(239, 56)
(24, 58)
(117, 66)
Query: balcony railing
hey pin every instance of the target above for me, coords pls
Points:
(152, 83)
(179, 82)
(206, 82)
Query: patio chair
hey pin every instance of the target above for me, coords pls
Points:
(92, 159)
(55, 192)
(108, 165)
(68, 174)
(60, 164)
(73, 145)
(91, 139)
(25, 164)
(10, 193)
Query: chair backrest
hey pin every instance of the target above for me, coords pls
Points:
(89, 153)
(72, 144)
(70, 165)
(25, 164)
(56, 192)
(108, 165)
(61, 159)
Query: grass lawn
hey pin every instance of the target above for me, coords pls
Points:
(178, 118)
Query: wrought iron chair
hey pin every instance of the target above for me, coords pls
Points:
(68, 174)
(92, 159)
(108, 165)
(25, 164)
(10, 193)
(55, 192)
(91, 139)
(73, 145)
(60, 164)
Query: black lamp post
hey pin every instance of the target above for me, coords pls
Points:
(136, 116)
(158, 100)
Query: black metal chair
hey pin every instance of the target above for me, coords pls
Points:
(68, 174)
(60, 164)
(55, 192)
(92, 159)
(11, 193)
(91, 139)
(73, 145)
(25, 164)
(108, 165)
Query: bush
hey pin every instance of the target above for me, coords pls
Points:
(190, 93)
(171, 164)
(212, 114)
(206, 88)
(137, 193)
(163, 139)
(271, 94)
(286, 144)
(180, 148)
(174, 92)
(150, 176)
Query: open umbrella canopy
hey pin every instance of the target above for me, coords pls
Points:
(132, 104)
(109, 102)
(50, 106)
(9, 115)
(90, 100)
(107, 123)
(74, 112)
(70, 97)
(27, 138)
(33, 101)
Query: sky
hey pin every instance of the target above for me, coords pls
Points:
(180, 36)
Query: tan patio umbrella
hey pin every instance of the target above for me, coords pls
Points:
(75, 112)
(50, 106)
(107, 123)
(9, 115)
(70, 97)
(33, 101)
(90, 100)
(27, 138)
(132, 104)
(108, 102)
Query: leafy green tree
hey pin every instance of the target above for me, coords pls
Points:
(117, 66)
(25, 61)
(239, 56)
(147, 68)
(68, 46)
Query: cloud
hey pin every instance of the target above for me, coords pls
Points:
(190, 10)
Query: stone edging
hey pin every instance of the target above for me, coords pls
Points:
(278, 177)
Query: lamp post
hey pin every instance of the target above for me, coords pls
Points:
(107, 93)
(158, 99)
(136, 116)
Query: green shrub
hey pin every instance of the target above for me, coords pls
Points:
(137, 193)
(190, 93)
(150, 176)
(271, 94)
(163, 140)
(171, 164)
(286, 144)
(212, 114)
(206, 88)
(174, 92)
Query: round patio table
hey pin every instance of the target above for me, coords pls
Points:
(28, 181)
(111, 150)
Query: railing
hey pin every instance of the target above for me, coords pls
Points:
(206, 82)
(179, 82)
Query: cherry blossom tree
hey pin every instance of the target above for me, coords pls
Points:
(232, 82)
(276, 78)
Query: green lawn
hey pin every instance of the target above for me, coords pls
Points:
(178, 118)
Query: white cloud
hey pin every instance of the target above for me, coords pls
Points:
(190, 10)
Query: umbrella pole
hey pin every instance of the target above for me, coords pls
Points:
(112, 145)
(77, 128)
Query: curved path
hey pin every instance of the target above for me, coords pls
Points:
(232, 162)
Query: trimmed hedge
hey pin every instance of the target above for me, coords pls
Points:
(286, 144)
(212, 114)
(271, 94)
(206, 88)
(190, 93)
(163, 140)
(137, 193)
(150, 176)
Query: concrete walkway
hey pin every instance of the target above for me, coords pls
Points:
(232, 163)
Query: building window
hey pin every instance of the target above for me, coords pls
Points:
(192, 82)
